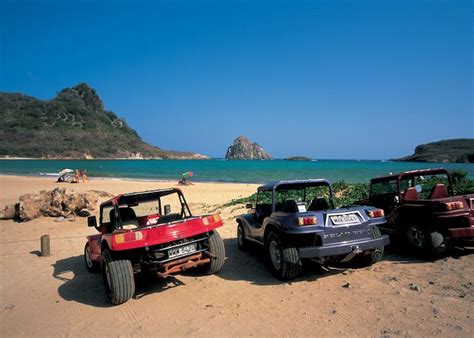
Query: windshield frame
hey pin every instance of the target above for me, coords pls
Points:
(299, 185)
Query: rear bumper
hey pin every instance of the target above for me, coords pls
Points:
(344, 247)
(462, 233)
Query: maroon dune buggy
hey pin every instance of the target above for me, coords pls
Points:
(140, 232)
(423, 210)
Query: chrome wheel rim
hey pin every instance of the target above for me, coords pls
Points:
(275, 254)
(416, 237)
(88, 257)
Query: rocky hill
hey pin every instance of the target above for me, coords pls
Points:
(455, 150)
(73, 125)
(243, 149)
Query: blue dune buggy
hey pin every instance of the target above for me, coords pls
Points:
(297, 220)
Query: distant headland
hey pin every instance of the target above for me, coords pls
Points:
(446, 151)
(73, 125)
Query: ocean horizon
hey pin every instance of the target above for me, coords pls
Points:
(221, 170)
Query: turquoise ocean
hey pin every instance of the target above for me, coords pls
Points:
(219, 170)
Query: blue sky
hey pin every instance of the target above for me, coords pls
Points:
(326, 79)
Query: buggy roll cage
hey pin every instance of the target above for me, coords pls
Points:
(275, 186)
(137, 197)
(412, 174)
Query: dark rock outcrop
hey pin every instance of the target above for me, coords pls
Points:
(243, 149)
(82, 95)
(73, 125)
(445, 151)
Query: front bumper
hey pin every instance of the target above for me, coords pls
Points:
(462, 233)
(343, 247)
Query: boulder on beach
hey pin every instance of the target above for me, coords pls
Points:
(10, 211)
(55, 203)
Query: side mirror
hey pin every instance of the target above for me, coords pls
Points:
(167, 209)
(249, 205)
(92, 221)
(418, 188)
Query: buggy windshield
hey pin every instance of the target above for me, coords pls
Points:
(136, 210)
(303, 197)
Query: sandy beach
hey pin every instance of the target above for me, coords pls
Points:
(56, 296)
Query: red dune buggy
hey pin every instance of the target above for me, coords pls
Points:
(153, 231)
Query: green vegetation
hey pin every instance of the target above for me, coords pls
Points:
(346, 194)
(241, 201)
(462, 185)
(72, 125)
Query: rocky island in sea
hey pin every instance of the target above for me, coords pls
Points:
(243, 149)
(298, 158)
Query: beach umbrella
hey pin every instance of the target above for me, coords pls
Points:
(188, 174)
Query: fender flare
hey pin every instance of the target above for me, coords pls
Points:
(271, 227)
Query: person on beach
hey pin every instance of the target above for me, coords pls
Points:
(83, 174)
(184, 181)
(77, 176)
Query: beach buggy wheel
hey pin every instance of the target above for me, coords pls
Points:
(91, 265)
(374, 256)
(217, 254)
(285, 263)
(118, 278)
(423, 240)
(242, 243)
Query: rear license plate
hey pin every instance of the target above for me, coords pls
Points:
(181, 251)
(344, 219)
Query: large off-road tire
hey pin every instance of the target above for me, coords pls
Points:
(423, 240)
(375, 255)
(242, 242)
(217, 250)
(118, 278)
(91, 265)
(285, 262)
